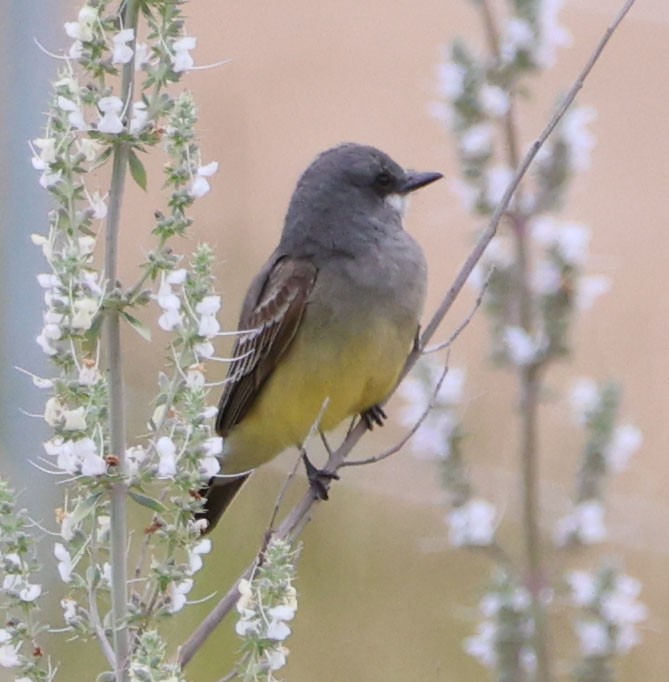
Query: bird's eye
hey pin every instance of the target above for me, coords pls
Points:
(383, 179)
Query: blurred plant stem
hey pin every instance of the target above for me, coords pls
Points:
(118, 509)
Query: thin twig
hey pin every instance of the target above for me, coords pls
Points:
(461, 327)
(299, 515)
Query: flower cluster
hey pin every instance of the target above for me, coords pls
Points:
(535, 273)
(265, 604)
(92, 120)
(477, 92)
(608, 449)
(610, 617)
(433, 395)
(503, 639)
(19, 594)
(148, 661)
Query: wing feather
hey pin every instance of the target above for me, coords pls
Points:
(268, 324)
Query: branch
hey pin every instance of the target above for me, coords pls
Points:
(299, 516)
(112, 331)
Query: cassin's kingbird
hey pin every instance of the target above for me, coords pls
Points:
(328, 322)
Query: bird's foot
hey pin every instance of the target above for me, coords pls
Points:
(319, 479)
(374, 416)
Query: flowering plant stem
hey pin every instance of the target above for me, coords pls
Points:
(112, 331)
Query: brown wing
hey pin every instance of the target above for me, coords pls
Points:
(272, 313)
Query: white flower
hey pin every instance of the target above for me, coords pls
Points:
(9, 657)
(98, 206)
(551, 33)
(584, 399)
(177, 277)
(518, 36)
(620, 606)
(208, 326)
(110, 121)
(47, 153)
(167, 452)
(89, 374)
(547, 279)
(476, 141)
(494, 100)
(583, 587)
(282, 612)
(68, 527)
(498, 178)
(579, 140)
(75, 115)
(69, 607)
(195, 554)
(5, 636)
(585, 524)
(593, 638)
(103, 529)
(30, 592)
(166, 299)
(276, 658)
(590, 288)
(93, 465)
(82, 28)
(75, 420)
(170, 320)
(64, 562)
(246, 626)
(451, 80)
(213, 446)
(182, 59)
(194, 377)
(210, 412)
(521, 347)
(572, 243)
(140, 117)
(170, 303)
(122, 53)
(482, 646)
(106, 574)
(89, 148)
(209, 466)
(142, 55)
(277, 630)
(626, 440)
(85, 310)
(209, 305)
(473, 523)
(205, 349)
(177, 593)
(134, 457)
(200, 185)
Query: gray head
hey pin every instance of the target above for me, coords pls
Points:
(347, 194)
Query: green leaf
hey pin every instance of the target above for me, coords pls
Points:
(146, 501)
(85, 507)
(137, 169)
(137, 325)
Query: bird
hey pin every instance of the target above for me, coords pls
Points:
(327, 324)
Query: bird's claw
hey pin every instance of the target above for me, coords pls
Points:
(319, 479)
(374, 416)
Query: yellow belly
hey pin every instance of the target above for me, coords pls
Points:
(350, 369)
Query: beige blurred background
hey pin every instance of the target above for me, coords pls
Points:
(382, 596)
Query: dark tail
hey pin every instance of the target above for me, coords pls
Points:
(218, 497)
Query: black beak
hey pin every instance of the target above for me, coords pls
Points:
(414, 180)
